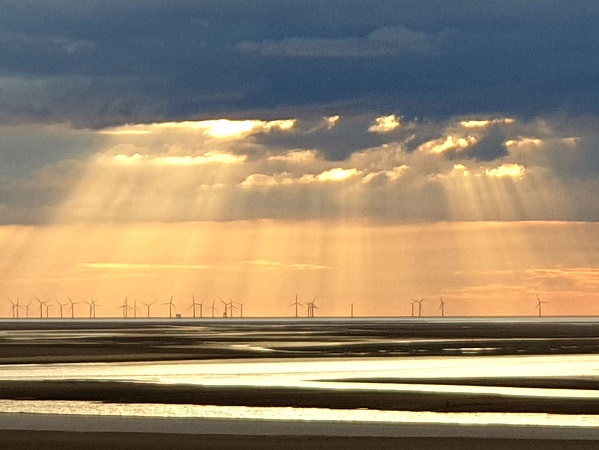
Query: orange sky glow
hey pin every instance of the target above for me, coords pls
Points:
(213, 210)
(479, 268)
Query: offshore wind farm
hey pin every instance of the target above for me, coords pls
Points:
(312, 224)
(228, 309)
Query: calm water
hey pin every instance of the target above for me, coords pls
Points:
(331, 373)
(317, 373)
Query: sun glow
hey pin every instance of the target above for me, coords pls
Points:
(385, 124)
(336, 174)
(212, 157)
(208, 209)
(220, 128)
(439, 146)
(507, 170)
(485, 122)
(494, 268)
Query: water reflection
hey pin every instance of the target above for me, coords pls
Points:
(331, 373)
(292, 414)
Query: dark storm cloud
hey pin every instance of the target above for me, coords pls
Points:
(99, 63)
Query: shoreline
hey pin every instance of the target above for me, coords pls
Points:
(77, 431)
(289, 396)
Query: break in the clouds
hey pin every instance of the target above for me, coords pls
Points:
(384, 169)
(227, 110)
(103, 63)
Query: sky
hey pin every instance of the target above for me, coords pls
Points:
(366, 153)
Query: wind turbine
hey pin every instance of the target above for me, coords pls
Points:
(229, 307)
(135, 309)
(171, 305)
(351, 310)
(213, 308)
(72, 307)
(296, 303)
(47, 306)
(148, 308)
(91, 308)
(14, 308)
(193, 306)
(540, 304)
(94, 304)
(41, 307)
(442, 307)
(311, 307)
(60, 305)
(27, 310)
(125, 308)
(240, 308)
(420, 306)
(412, 303)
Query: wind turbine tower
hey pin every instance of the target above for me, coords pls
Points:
(41, 307)
(193, 306)
(420, 306)
(14, 308)
(60, 306)
(296, 303)
(540, 304)
(91, 307)
(311, 307)
(171, 306)
(125, 308)
(148, 308)
(72, 307)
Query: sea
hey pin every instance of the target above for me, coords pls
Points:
(344, 355)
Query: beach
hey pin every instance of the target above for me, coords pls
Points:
(60, 432)
(299, 384)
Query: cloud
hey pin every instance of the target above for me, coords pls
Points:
(385, 124)
(106, 64)
(220, 170)
(379, 43)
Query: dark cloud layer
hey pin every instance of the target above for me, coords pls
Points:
(99, 63)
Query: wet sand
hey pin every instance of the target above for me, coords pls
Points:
(23, 342)
(285, 396)
(101, 340)
(93, 441)
(63, 432)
